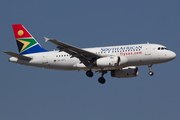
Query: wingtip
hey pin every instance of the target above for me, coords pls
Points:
(46, 39)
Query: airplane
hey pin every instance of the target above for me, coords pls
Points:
(121, 61)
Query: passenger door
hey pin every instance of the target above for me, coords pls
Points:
(148, 49)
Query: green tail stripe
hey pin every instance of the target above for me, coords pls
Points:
(27, 43)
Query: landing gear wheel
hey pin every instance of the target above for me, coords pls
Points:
(89, 73)
(101, 80)
(151, 73)
(150, 68)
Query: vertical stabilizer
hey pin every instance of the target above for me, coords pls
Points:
(25, 41)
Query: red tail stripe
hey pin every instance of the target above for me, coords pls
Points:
(20, 31)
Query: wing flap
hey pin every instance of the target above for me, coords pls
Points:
(17, 55)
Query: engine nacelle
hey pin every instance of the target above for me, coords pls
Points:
(123, 60)
(108, 61)
(125, 72)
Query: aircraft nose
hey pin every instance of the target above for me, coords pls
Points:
(173, 55)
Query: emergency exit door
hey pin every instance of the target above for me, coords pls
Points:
(45, 58)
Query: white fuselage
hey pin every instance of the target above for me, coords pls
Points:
(134, 55)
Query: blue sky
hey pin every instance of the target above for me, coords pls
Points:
(33, 93)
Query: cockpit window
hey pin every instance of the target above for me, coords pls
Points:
(162, 48)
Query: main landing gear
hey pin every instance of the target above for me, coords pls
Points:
(101, 80)
(89, 73)
(150, 68)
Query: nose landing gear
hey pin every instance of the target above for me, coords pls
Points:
(150, 68)
(151, 73)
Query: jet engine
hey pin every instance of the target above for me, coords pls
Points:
(125, 72)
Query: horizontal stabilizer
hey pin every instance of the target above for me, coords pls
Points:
(17, 55)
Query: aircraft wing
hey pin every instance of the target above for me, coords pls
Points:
(84, 56)
(17, 55)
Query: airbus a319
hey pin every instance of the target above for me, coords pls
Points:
(120, 60)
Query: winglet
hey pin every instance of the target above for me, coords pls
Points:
(46, 39)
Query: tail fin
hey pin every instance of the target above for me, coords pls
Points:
(25, 41)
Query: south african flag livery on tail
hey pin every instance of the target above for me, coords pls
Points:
(25, 41)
